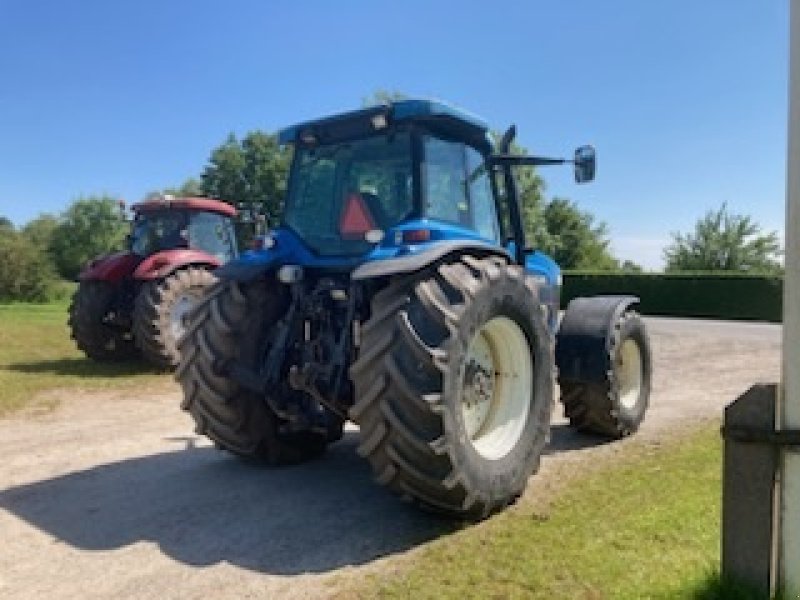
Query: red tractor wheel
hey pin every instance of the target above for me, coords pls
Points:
(161, 312)
(90, 323)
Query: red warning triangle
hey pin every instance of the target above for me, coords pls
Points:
(356, 220)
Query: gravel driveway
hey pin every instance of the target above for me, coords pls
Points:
(112, 495)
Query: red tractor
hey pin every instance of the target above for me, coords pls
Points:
(138, 300)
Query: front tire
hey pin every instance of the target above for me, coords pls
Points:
(89, 312)
(616, 407)
(454, 386)
(161, 312)
(231, 324)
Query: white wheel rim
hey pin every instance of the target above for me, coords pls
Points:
(496, 384)
(179, 313)
(629, 373)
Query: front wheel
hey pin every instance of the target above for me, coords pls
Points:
(454, 386)
(615, 407)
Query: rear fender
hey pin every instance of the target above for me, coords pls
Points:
(112, 268)
(253, 264)
(583, 342)
(430, 255)
(161, 264)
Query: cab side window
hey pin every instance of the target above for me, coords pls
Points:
(484, 211)
(210, 232)
(456, 187)
(444, 173)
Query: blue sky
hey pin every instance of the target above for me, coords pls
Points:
(685, 101)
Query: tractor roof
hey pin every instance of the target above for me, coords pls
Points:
(438, 115)
(204, 204)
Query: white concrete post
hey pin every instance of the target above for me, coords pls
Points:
(789, 563)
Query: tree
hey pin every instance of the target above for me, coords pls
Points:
(190, 188)
(631, 267)
(6, 226)
(577, 241)
(530, 188)
(724, 241)
(253, 171)
(25, 271)
(40, 230)
(90, 227)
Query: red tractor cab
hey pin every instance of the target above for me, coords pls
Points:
(138, 300)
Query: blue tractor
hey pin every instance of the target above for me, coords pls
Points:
(399, 294)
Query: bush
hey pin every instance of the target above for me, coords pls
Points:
(712, 295)
(90, 227)
(25, 271)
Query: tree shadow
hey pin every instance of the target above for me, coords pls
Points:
(202, 506)
(86, 367)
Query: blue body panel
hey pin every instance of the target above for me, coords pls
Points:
(290, 249)
(549, 275)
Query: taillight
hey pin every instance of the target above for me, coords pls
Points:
(262, 242)
(416, 236)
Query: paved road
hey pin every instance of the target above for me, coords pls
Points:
(112, 495)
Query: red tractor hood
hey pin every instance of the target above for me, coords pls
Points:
(111, 268)
(165, 262)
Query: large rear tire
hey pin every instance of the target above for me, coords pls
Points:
(89, 313)
(231, 324)
(454, 386)
(615, 407)
(161, 312)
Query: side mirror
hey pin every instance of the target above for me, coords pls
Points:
(585, 163)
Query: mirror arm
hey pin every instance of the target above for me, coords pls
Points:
(533, 161)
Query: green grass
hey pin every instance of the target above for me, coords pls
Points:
(715, 588)
(645, 526)
(37, 354)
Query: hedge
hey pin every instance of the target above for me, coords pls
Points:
(713, 295)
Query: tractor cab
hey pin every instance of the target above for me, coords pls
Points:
(187, 223)
(357, 177)
(374, 188)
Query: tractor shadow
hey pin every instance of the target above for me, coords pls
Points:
(85, 367)
(564, 438)
(202, 506)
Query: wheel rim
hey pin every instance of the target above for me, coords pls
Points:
(496, 383)
(629, 373)
(180, 313)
